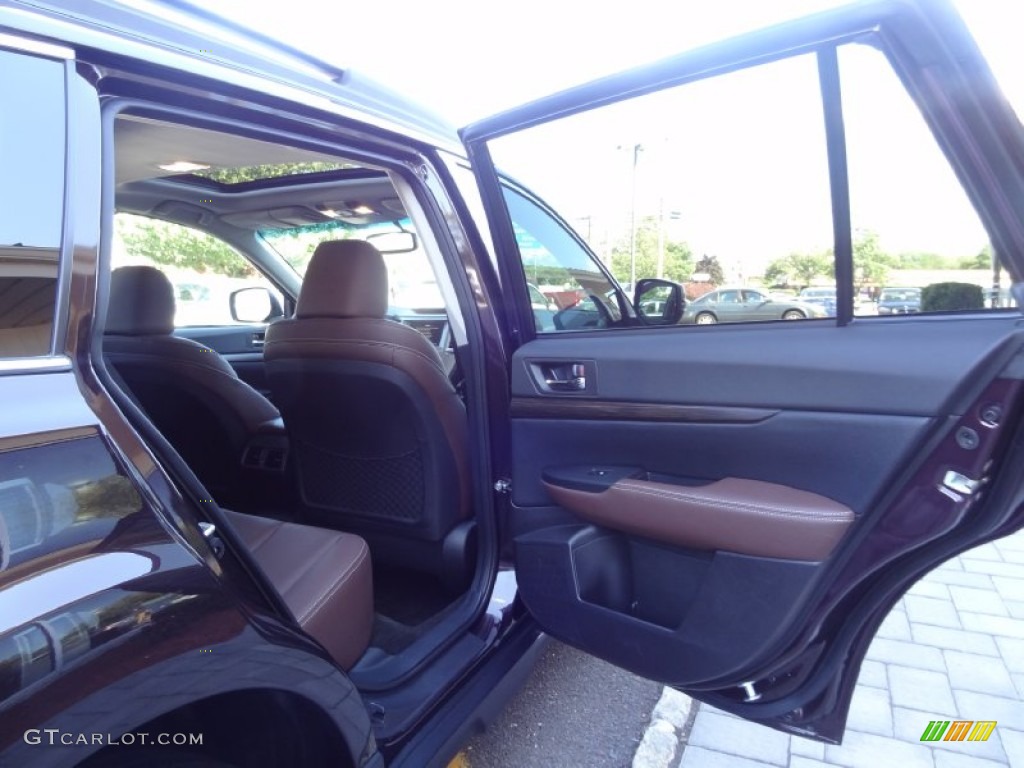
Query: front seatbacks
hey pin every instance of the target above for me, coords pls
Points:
(377, 431)
(188, 391)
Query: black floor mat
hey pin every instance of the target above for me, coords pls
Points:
(390, 636)
(406, 604)
(408, 597)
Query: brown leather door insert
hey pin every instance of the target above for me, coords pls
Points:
(744, 516)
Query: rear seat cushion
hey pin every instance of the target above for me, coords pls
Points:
(323, 575)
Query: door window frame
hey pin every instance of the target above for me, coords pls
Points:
(954, 122)
(53, 358)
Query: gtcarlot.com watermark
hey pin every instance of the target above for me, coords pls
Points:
(53, 737)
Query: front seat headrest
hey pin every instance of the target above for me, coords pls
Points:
(141, 302)
(345, 278)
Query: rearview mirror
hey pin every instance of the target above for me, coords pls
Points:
(255, 305)
(658, 302)
(393, 242)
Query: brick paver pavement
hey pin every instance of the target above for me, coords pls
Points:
(952, 649)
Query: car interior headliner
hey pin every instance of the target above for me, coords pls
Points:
(142, 144)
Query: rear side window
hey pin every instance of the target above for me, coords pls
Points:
(204, 270)
(718, 185)
(918, 243)
(726, 186)
(32, 144)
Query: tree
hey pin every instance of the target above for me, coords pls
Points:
(167, 243)
(678, 263)
(800, 269)
(983, 259)
(710, 266)
(925, 260)
(244, 173)
(871, 264)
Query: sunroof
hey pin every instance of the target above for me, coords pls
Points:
(246, 173)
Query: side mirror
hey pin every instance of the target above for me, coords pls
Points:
(658, 302)
(393, 242)
(255, 305)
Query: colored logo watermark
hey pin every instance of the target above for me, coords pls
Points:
(958, 730)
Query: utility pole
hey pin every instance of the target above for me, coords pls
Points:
(637, 149)
(996, 281)
(661, 237)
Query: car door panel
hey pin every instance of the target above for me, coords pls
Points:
(748, 517)
(614, 595)
(810, 451)
(904, 366)
(703, 522)
(733, 509)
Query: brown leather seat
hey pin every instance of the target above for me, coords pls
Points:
(324, 577)
(190, 392)
(377, 431)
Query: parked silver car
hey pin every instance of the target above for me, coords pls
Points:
(740, 305)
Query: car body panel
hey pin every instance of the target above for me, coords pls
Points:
(673, 415)
(899, 301)
(824, 298)
(739, 305)
(787, 409)
(116, 599)
(177, 38)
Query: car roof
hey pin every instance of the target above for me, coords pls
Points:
(186, 38)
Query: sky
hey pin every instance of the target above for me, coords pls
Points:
(466, 59)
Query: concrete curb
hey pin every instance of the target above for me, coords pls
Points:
(661, 743)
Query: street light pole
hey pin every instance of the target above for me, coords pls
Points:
(637, 149)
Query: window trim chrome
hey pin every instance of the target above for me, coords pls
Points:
(37, 47)
(14, 365)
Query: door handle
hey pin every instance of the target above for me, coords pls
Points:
(575, 381)
(577, 377)
(560, 377)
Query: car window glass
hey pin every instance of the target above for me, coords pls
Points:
(918, 243)
(718, 183)
(412, 284)
(203, 269)
(31, 201)
(568, 290)
(414, 296)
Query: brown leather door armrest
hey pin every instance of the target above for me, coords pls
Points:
(745, 516)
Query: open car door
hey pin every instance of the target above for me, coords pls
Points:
(732, 504)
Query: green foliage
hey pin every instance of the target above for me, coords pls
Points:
(925, 260)
(678, 261)
(982, 260)
(710, 265)
(800, 269)
(172, 244)
(940, 297)
(256, 172)
(935, 261)
(870, 263)
(296, 245)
